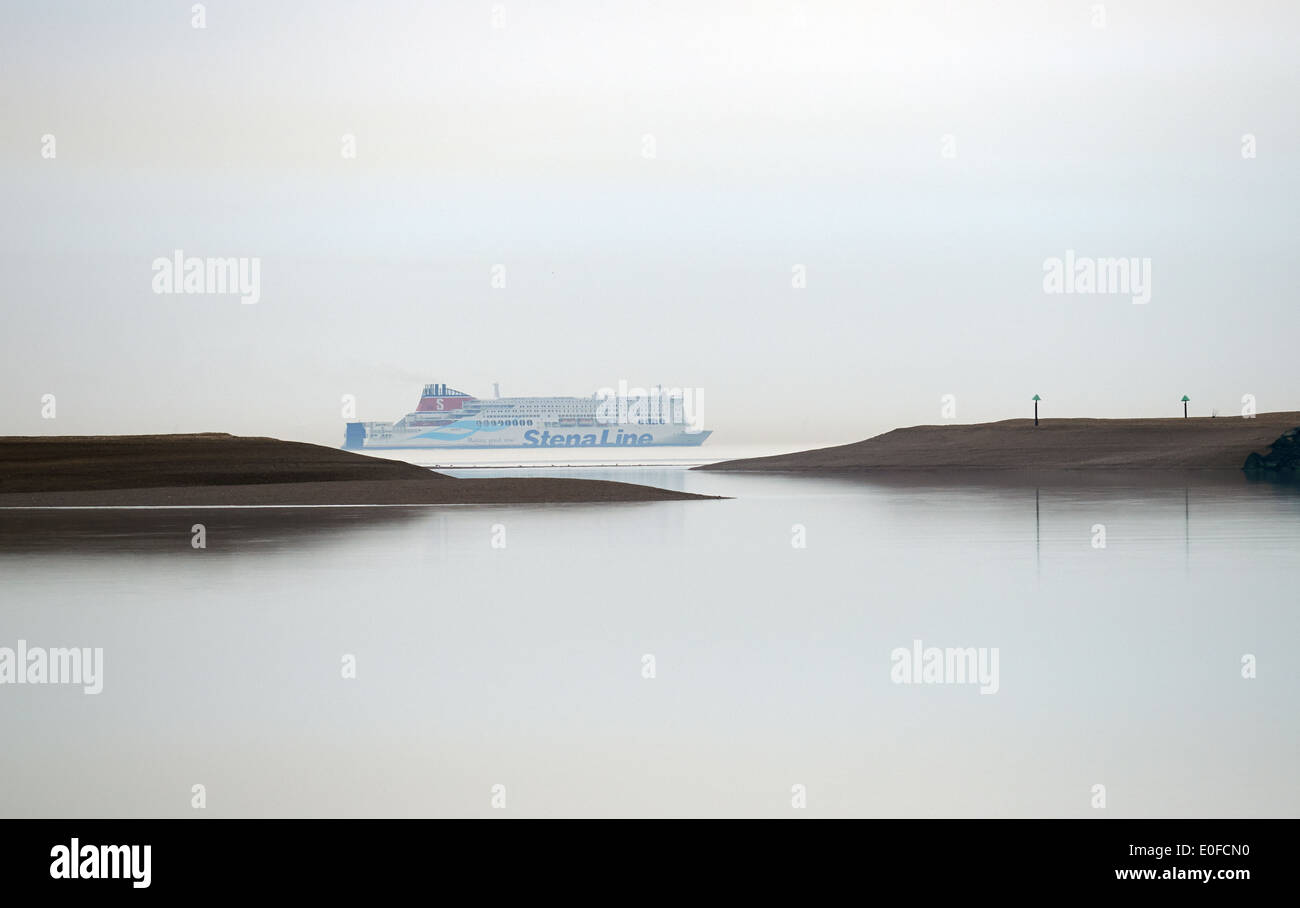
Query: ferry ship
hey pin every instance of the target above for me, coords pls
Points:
(447, 418)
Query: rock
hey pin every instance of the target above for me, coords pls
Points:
(1282, 459)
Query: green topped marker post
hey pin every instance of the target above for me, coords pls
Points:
(1185, 400)
(1036, 400)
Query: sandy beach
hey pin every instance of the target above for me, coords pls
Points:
(215, 469)
(1204, 443)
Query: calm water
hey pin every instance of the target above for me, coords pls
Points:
(522, 666)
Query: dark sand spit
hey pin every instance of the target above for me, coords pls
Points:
(1203, 443)
(217, 469)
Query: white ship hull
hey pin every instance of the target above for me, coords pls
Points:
(555, 437)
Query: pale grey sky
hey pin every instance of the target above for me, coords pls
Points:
(784, 134)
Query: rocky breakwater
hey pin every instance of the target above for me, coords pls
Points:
(1282, 460)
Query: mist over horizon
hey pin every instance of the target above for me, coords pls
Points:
(826, 216)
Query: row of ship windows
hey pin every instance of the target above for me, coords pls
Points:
(529, 422)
